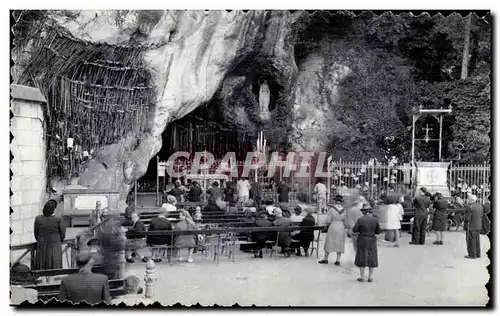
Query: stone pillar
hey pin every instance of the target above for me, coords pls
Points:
(121, 255)
(150, 279)
(28, 166)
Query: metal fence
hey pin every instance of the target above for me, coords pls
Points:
(348, 178)
(370, 179)
(474, 179)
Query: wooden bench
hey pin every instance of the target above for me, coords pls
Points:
(49, 291)
(226, 236)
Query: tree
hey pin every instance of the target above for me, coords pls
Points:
(465, 58)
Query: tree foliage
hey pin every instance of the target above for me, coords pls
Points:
(403, 61)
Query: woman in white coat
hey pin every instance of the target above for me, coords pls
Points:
(395, 214)
(335, 238)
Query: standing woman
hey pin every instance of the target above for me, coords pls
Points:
(185, 241)
(395, 214)
(440, 218)
(95, 215)
(49, 231)
(366, 255)
(335, 238)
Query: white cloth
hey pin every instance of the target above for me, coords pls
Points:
(169, 207)
(296, 218)
(243, 187)
(20, 294)
(394, 216)
(270, 209)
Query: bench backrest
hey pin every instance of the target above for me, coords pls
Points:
(49, 291)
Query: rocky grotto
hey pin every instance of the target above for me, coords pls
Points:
(147, 70)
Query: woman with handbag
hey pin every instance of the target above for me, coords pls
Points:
(335, 238)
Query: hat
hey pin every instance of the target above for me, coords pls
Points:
(423, 189)
(171, 199)
(472, 197)
(131, 285)
(249, 203)
(21, 273)
(366, 206)
(339, 198)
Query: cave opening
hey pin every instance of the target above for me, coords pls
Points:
(204, 129)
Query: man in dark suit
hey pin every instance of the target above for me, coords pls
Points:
(256, 193)
(305, 237)
(195, 192)
(473, 226)
(285, 238)
(160, 223)
(283, 190)
(135, 238)
(84, 286)
(421, 204)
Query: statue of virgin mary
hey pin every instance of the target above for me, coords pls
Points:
(264, 97)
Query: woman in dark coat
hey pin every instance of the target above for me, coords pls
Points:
(306, 237)
(49, 233)
(366, 255)
(440, 218)
(260, 238)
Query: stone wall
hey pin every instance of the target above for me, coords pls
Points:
(28, 166)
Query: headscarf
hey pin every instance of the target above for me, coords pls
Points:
(49, 208)
(171, 199)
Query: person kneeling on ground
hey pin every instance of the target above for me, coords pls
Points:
(135, 238)
(366, 228)
(306, 237)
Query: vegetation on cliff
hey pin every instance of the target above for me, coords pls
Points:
(399, 62)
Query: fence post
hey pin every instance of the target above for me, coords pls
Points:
(150, 279)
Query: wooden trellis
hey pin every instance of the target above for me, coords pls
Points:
(97, 94)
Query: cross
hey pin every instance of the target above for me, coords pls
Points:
(427, 129)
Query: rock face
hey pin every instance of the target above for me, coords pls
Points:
(313, 114)
(219, 58)
(193, 55)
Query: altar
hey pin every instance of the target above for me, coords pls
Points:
(434, 177)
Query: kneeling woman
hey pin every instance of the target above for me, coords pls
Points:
(366, 255)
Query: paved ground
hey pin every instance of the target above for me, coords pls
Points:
(407, 276)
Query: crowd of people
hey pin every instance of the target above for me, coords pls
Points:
(221, 197)
(361, 220)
